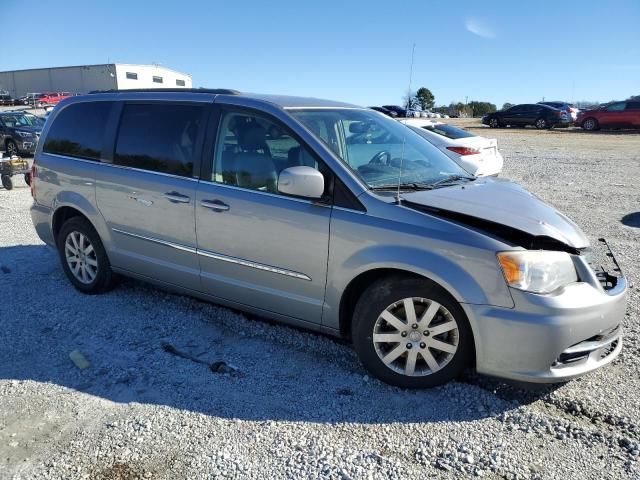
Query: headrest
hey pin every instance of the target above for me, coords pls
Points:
(251, 136)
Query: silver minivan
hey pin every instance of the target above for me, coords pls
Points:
(327, 216)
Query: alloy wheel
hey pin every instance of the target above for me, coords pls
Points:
(541, 123)
(493, 123)
(416, 336)
(589, 124)
(12, 149)
(81, 257)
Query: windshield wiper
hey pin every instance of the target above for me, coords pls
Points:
(451, 179)
(403, 186)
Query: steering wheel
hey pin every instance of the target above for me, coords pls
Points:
(381, 158)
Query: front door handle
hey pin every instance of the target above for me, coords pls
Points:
(175, 197)
(215, 205)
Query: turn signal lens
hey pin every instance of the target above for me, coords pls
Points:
(537, 271)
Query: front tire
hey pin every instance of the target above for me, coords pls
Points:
(84, 259)
(494, 123)
(7, 182)
(410, 333)
(12, 148)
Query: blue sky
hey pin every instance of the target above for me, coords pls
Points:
(356, 51)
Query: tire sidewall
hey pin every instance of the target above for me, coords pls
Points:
(7, 182)
(103, 279)
(382, 294)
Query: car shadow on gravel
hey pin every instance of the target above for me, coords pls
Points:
(631, 220)
(276, 372)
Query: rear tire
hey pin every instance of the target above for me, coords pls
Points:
(7, 182)
(410, 333)
(27, 178)
(541, 124)
(590, 124)
(83, 257)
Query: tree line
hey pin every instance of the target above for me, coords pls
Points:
(423, 99)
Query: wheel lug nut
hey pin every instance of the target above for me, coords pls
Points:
(409, 346)
(404, 334)
(426, 333)
(414, 326)
(423, 345)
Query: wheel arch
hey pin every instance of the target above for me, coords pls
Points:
(70, 204)
(356, 287)
(359, 284)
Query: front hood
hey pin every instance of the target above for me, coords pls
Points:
(32, 130)
(504, 203)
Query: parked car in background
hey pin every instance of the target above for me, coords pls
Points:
(540, 116)
(6, 99)
(386, 111)
(50, 99)
(477, 155)
(400, 112)
(613, 115)
(19, 132)
(572, 112)
(348, 223)
(30, 98)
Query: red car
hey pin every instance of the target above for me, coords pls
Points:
(613, 115)
(49, 99)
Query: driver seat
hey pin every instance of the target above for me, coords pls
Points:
(253, 165)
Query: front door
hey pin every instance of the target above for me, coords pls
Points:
(258, 247)
(147, 196)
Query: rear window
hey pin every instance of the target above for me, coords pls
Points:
(78, 130)
(449, 131)
(158, 137)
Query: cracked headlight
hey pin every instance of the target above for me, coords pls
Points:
(538, 271)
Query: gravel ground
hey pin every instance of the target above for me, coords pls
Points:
(293, 404)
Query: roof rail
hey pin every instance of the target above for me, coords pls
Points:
(218, 91)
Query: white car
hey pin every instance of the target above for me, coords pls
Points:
(477, 155)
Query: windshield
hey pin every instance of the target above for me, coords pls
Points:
(21, 120)
(377, 148)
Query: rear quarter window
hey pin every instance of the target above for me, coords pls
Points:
(78, 130)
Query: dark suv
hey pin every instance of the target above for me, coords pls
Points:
(540, 116)
(19, 132)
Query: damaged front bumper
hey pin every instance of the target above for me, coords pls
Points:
(555, 337)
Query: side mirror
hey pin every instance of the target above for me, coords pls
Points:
(301, 182)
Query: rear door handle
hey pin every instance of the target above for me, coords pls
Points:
(175, 197)
(215, 205)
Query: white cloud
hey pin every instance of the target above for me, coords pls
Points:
(477, 27)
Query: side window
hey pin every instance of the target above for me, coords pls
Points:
(78, 131)
(635, 106)
(616, 107)
(159, 137)
(251, 152)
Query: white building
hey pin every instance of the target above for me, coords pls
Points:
(86, 78)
